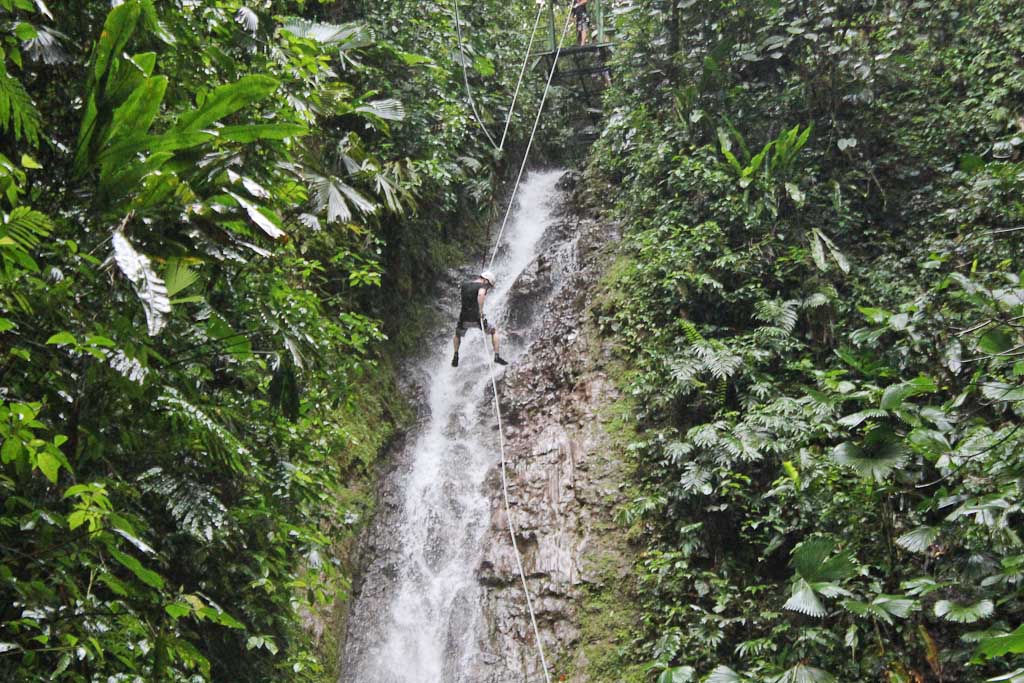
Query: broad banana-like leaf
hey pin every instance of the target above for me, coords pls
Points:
(117, 29)
(226, 100)
(262, 220)
(149, 286)
(997, 646)
(262, 131)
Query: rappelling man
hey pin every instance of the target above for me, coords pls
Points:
(473, 293)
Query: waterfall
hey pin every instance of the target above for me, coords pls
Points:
(418, 615)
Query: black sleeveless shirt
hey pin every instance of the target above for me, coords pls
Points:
(470, 309)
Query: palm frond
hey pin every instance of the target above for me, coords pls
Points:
(248, 19)
(964, 614)
(178, 276)
(801, 673)
(46, 47)
(389, 109)
(918, 540)
(344, 36)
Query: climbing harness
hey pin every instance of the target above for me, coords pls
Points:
(494, 383)
(515, 95)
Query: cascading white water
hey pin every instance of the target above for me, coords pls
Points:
(418, 615)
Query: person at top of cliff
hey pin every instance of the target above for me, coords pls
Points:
(579, 13)
(473, 293)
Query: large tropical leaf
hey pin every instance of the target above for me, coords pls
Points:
(805, 601)
(997, 646)
(801, 673)
(149, 286)
(389, 109)
(226, 100)
(919, 539)
(343, 36)
(964, 614)
(874, 465)
(814, 561)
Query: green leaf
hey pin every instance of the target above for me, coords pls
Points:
(178, 610)
(147, 576)
(801, 673)
(117, 29)
(262, 131)
(971, 163)
(918, 540)
(723, 674)
(62, 338)
(677, 674)
(226, 100)
(812, 562)
(28, 162)
(996, 341)
(49, 465)
(998, 646)
(805, 601)
(964, 614)
(265, 220)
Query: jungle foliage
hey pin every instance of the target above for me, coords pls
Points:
(820, 299)
(200, 201)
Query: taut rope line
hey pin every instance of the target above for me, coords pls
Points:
(465, 78)
(494, 383)
(529, 144)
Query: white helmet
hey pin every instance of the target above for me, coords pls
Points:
(489, 276)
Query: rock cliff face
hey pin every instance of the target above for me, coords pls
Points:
(416, 616)
(564, 476)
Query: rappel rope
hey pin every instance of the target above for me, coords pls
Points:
(494, 383)
(522, 72)
(529, 143)
(515, 95)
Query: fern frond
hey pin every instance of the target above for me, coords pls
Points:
(213, 436)
(193, 505)
(17, 111)
(26, 228)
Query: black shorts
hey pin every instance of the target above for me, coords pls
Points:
(464, 324)
(582, 18)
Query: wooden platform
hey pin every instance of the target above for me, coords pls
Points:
(584, 72)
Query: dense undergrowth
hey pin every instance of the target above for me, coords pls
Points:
(200, 201)
(819, 298)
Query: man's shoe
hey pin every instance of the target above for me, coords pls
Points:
(455, 361)
(499, 360)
